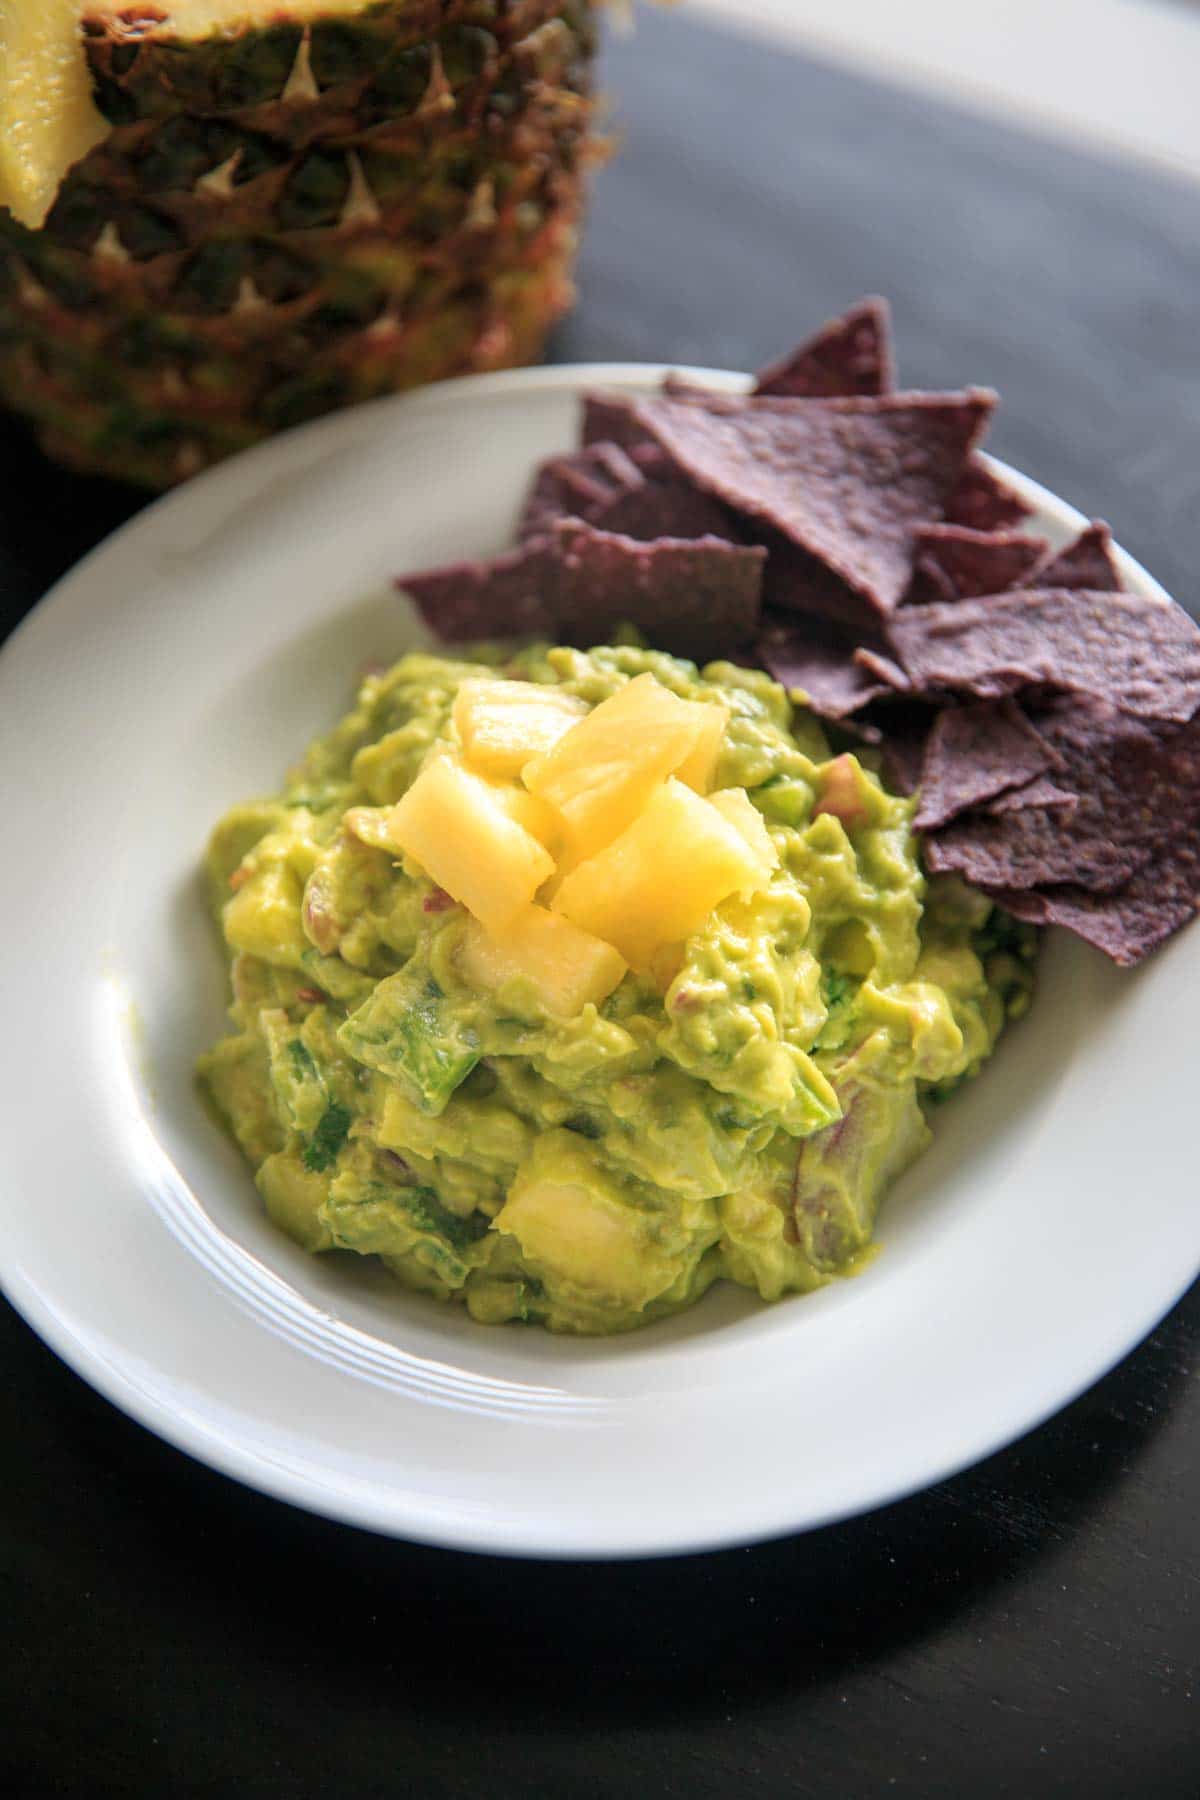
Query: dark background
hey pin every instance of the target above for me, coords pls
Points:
(1026, 1629)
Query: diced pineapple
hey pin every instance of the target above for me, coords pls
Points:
(502, 725)
(569, 968)
(735, 805)
(576, 1225)
(530, 810)
(602, 773)
(662, 877)
(700, 767)
(451, 823)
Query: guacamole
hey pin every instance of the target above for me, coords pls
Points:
(585, 1131)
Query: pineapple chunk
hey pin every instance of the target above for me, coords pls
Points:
(700, 767)
(452, 824)
(569, 968)
(603, 772)
(503, 725)
(46, 104)
(579, 1229)
(735, 805)
(662, 877)
(536, 815)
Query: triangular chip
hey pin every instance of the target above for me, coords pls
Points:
(577, 485)
(983, 502)
(1087, 563)
(608, 418)
(1043, 790)
(1142, 655)
(849, 482)
(1133, 780)
(975, 753)
(807, 654)
(1155, 903)
(699, 599)
(955, 563)
(852, 354)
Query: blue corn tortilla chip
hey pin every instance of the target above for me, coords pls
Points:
(852, 354)
(504, 596)
(699, 598)
(665, 508)
(848, 482)
(975, 753)
(1122, 771)
(807, 654)
(1087, 563)
(955, 563)
(578, 485)
(1141, 655)
(1159, 900)
(1043, 790)
(608, 418)
(982, 501)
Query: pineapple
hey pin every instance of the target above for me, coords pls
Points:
(660, 880)
(502, 725)
(457, 829)
(600, 774)
(568, 968)
(221, 217)
(736, 806)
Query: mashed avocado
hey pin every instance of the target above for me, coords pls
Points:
(735, 1105)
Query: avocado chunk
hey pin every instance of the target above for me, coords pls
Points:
(408, 1029)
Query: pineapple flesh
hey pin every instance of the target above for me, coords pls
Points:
(219, 218)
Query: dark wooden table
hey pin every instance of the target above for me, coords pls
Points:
(1027, 1629)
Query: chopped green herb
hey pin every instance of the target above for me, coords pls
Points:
(327, 1140)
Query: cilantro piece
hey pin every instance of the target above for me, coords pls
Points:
(328, 1139)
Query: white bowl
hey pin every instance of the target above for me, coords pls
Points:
(183, 665)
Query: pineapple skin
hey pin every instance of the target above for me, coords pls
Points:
(212, 274)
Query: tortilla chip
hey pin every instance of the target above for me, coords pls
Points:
(579, 485)
(506, 596)
(975, 753)
(1141, 655)
(1133, 780)
(808, 654)
(698, 598)
(1043, 790)
(954, 563)
(848, 482)
(1155, 903)
(1087, 563)
(904, 740)
(852, 354)
(982, 502)
(608, 418)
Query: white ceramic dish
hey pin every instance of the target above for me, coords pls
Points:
(182, 666)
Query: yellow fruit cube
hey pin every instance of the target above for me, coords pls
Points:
(600, 775)
(502, 725)
(535, 814)
(578, 1228)
(569, 968)
(698, 769)
(662, 877)
(451, 824)
(735, 805)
